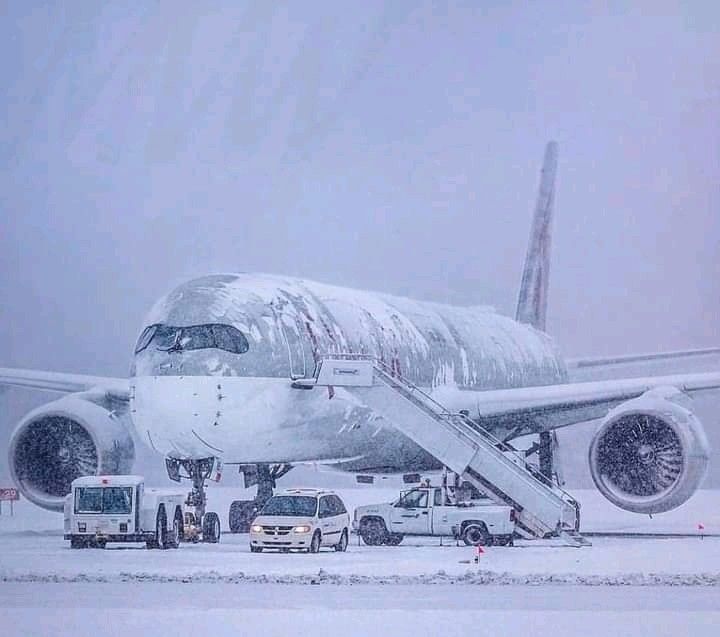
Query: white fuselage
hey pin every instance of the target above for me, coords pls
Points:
(196, 393)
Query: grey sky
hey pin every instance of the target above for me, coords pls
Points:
(392, 148)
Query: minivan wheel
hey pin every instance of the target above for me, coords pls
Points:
(315, 543)
(341, 546)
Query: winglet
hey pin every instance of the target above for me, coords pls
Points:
(532, 300)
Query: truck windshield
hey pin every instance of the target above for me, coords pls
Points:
(112, 500)
(290, 505)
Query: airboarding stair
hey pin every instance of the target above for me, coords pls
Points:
(462, 445)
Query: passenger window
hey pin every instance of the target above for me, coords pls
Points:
(437, 501)
(325, 510)
(414, 499)
(339, 506)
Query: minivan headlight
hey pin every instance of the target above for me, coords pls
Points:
(256, 528)
(303, 528)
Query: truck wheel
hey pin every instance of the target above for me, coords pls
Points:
(256, 549)
(393, 539)
(160, 529)
(173, 538)
(211, 528)
(476, 535)
(315, 543)
(373, 532)
(341, 546)
(77, 542)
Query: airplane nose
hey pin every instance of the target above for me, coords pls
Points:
(177, 414)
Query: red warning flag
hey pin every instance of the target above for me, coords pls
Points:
(701, 526)
(479, 550)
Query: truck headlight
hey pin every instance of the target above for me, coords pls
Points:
(303, 528)
(256, 528)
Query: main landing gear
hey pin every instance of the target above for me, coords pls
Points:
(242, 512)
(199, 525)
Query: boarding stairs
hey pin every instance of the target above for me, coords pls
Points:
(462, 445)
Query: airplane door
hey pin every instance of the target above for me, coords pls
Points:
(291, 333)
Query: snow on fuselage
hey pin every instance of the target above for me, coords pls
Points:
(212, 390)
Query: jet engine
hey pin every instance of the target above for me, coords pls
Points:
(75, 436)
(651, 453)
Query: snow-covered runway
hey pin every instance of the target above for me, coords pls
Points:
(274, 609)
(617, 586)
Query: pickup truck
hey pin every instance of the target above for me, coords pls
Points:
(438, 511)
(102, 509)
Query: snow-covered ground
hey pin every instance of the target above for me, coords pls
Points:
(617, 586)
(33, 549)
(77, 610)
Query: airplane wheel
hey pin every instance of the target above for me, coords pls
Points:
(242, 513)
(211, 528)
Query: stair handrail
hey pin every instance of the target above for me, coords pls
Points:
(448, 416)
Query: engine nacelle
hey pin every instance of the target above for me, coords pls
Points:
(64, 440)
(651, 453)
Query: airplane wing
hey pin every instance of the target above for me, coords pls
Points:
(605, 361)
(554, 406)
(64, 383)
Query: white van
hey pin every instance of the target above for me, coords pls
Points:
(301, 519)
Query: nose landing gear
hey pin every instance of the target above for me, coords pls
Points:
(200, 526)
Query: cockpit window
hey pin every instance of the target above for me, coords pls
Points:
(176, 339)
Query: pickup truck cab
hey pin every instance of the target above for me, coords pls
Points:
(102, 509)
(439, 511)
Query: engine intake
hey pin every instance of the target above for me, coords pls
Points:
(64, 440)
(651, 453)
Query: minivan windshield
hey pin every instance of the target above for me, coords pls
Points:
(300, 505)
(112, 500)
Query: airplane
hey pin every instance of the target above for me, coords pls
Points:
(215, 373)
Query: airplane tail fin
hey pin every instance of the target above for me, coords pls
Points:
(532, 300)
